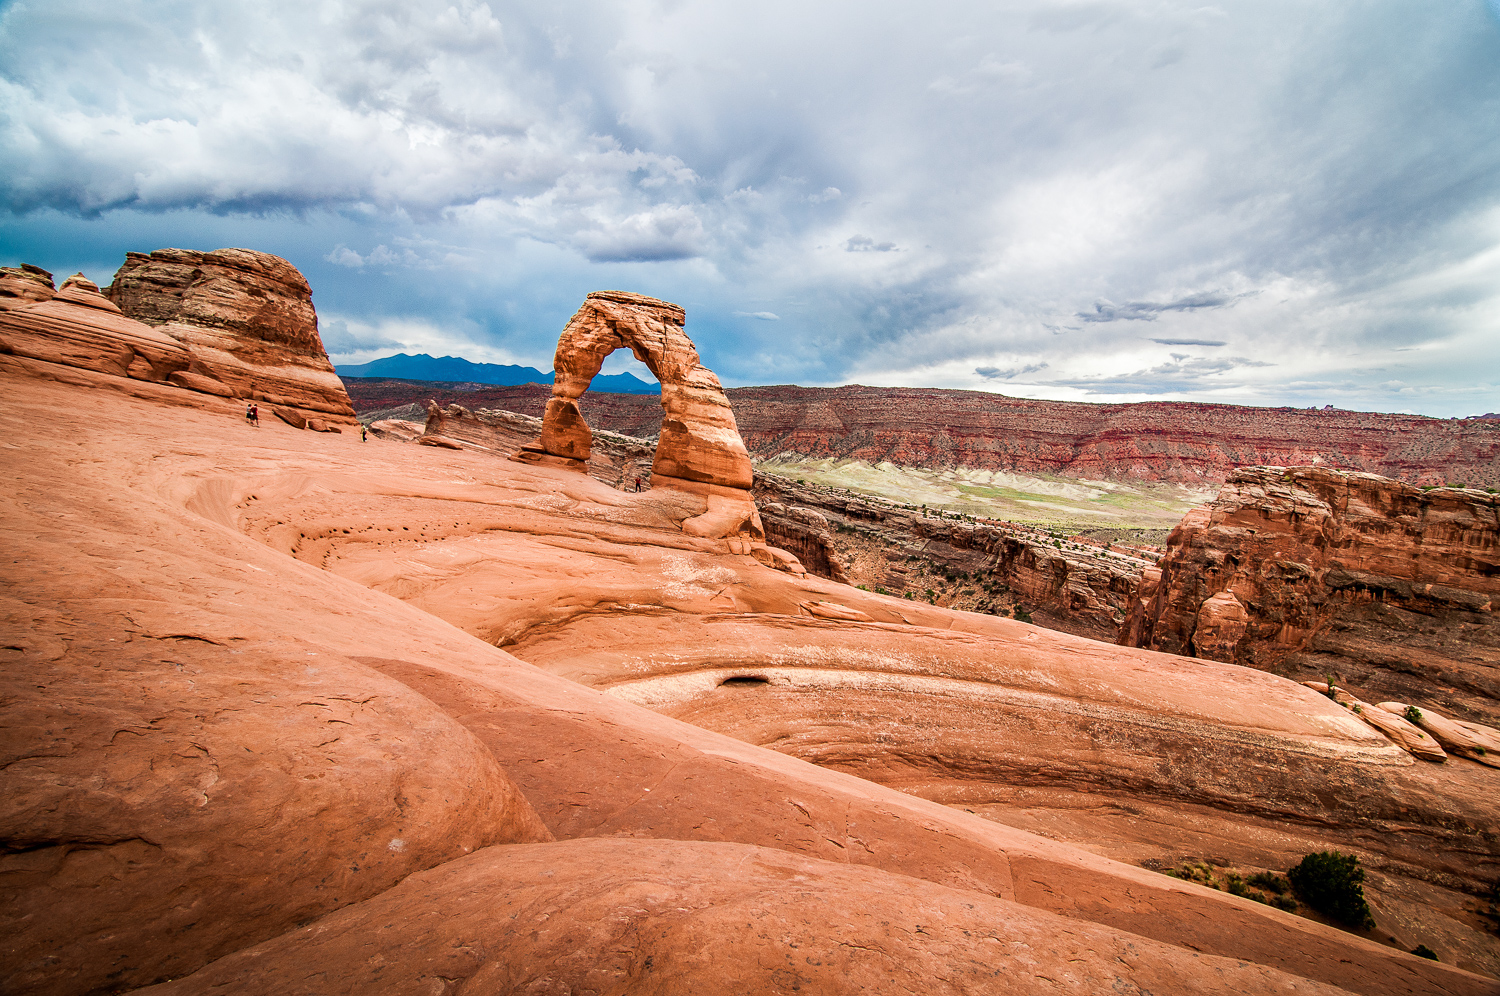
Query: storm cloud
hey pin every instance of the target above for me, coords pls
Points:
(917, 199)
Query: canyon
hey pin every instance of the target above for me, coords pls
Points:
(1179, 442)
(293, 711)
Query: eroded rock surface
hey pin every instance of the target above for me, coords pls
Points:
(698, 450)
(23, 285)
(79, 327)
(251, 588)
(916, 553)
(548, 918)
(1308, 572)
(245, 317)
(1178, 441)
(699, 440)
(615, 459)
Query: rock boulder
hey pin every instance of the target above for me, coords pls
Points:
(246, 318)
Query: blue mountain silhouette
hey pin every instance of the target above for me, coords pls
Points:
(457, 370)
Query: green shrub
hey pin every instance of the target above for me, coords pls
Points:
(1270, 881)
(1413, 714)
(1330, 883)
(1423, 951)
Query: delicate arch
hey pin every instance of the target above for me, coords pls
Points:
(699, 441)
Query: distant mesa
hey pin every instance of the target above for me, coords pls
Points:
(457, 370)
(1182, 442)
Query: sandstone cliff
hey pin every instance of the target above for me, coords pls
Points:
(1157, 441)
(78, 327)
(246, 318)
(1308, 572)
(1166, 441)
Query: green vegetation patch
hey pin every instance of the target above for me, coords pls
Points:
(1333, 884)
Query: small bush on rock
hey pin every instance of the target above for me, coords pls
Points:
(1331, 883)
(1423, 951)
(1269, 881)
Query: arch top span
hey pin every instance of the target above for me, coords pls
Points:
(699, 450)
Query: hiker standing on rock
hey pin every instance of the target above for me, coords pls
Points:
(638, 484)
(362, 432)
(249, 413)
(255, 415)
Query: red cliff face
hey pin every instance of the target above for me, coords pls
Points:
(1159, 441)
(1156, 441)
(1310, 572)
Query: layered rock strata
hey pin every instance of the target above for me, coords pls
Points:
(1183, 442)
(246, 319)
(229, 751)
(79, 327)
(23, 285)
(1160, 441)
(1308, 572)
(698, 450)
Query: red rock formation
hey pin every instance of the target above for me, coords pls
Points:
(617, 460)
(1308, 571)
(698, 450)
(1155, 441)
(216, 731)
(78, 327)
(246, 318)
(699, 440)
(23, 285)
(1073, 588)
(1166, 441)
(567, 918)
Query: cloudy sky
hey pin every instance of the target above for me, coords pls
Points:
(1261, 202)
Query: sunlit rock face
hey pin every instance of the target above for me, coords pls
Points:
(699, 449)
(23, 285)
(1310, 572)
(699, 439)
(76, 326)
(246, 318)
(260, 730)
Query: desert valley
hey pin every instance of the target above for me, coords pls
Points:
(1026, 697)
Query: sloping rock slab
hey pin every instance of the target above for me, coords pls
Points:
(80, 328)
(613, 916)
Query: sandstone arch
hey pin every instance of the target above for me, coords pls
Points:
(699, 439)
(700, 449)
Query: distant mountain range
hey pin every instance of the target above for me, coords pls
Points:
(457, 370)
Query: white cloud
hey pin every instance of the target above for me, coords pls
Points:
(1034, 183)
